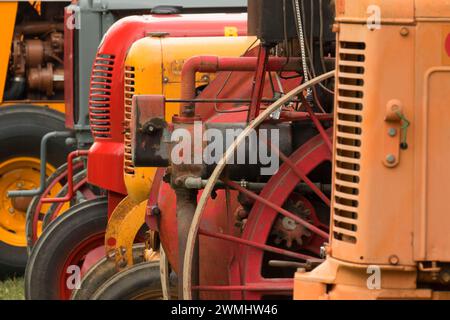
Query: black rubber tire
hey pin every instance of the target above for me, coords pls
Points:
(21, 130)
(139, 282)
(35, 201)
(101, 272)
(55, 244)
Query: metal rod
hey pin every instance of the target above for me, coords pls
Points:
(255, 245)
(43, 168)
(279, 209)
(70, 191)
(318, 125)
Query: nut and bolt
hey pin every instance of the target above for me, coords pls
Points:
(404, 32)
(392, 132)
(394, 260)
(390, 158)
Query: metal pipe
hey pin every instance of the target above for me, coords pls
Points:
(70, 191)
(199, 183)
(213, 64)
(43, 168)
(186, 205)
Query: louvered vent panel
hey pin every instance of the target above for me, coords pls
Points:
(129, 93)
(100, 96)
(350, 88)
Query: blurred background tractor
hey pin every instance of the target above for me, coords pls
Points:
(31, 105)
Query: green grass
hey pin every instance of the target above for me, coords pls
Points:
(12, 289)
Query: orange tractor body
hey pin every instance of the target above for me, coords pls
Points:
(389, 224)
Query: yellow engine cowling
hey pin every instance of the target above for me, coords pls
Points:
(390, 222)
(153, 66)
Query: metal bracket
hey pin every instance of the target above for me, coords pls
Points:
(43, 169)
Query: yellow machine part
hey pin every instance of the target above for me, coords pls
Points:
(123, 226)
(154, 66)
(19, 173)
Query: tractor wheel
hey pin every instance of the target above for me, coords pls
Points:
(99, 273)
(21, 130)
(54, 267)
(139, 282)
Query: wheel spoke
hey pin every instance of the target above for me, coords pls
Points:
(279, 209)
(255, 245)
(317, 123)
(301, 175)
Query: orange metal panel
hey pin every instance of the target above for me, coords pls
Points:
(8, 12)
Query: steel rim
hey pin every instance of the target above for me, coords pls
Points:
(20, 173)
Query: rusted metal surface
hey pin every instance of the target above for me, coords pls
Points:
(149, 132)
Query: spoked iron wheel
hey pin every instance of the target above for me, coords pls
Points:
(278, 218)
(58, 256)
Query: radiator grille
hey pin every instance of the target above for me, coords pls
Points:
(100, 96)
(129, 93)
(350, 88)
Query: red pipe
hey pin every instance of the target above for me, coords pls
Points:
(70, 192)
(214, 64)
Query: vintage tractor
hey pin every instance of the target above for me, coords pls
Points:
(74, 236)
(237, 213)
(31, 105)
(390, 224)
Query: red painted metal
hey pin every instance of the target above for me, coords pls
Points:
(213, 64)
(68, 70)
(108, 145)
(76, 258)
(258, 86)
(37, 212)
(279, 209)
(150, 218)
(262, 218)
(318, 125)
(82, 187)
(70, 188)
(302, 175)
(301, 116)
(114, 199)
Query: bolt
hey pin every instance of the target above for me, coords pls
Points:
(19, 184)
(445, 277)
(11, 210)
(404, 32)
(390, 159)
(394, 260)
(165, 79)
(323, 252)
(151, 129)
(156, 211)
(392, 132)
